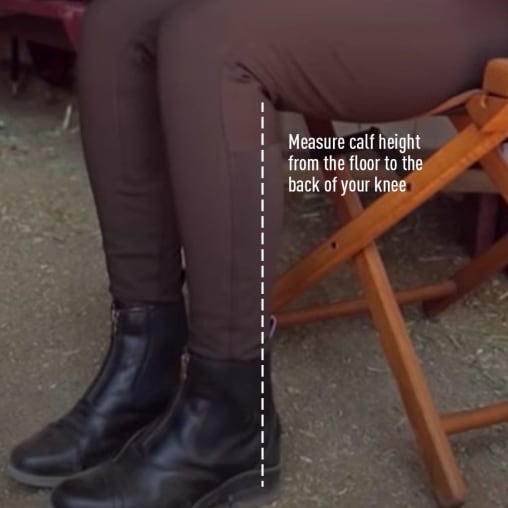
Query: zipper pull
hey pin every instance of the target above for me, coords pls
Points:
(114, 321)
(184, 365)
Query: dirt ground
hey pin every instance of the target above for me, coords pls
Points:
(347, 443)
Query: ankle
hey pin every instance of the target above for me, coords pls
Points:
(123, 304)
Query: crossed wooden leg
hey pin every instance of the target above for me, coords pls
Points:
(356, 240)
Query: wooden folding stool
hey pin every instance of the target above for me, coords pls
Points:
(482, 128)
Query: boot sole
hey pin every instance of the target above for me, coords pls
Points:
(242, 491)
(33, 480)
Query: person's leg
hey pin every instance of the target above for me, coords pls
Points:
(358, 61)
(124, 149)
(343, 59)
(126, 160)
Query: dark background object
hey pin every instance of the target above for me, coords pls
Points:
(53, 65)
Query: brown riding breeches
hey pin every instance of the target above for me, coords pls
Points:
(170, 95)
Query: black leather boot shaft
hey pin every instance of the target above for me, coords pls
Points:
(138, 379)
(205, 451)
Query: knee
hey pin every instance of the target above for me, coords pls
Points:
(111, 26)
(183, 30)
(201, 33)
(214, 46)
(98, 22)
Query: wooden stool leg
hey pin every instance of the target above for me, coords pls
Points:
(481, 219)
(496, 257)
(493, 162)
(475, 273)
(446, 478)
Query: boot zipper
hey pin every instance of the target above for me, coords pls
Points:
(184, 365)
(114, 322)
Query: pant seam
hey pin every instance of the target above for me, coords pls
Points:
(227, 149)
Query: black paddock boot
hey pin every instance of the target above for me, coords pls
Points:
(205, 452)
(139, 378)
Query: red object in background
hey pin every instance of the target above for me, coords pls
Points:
(67, 13)
(51, 30)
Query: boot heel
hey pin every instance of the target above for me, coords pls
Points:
(247, 492)
(244, 491)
